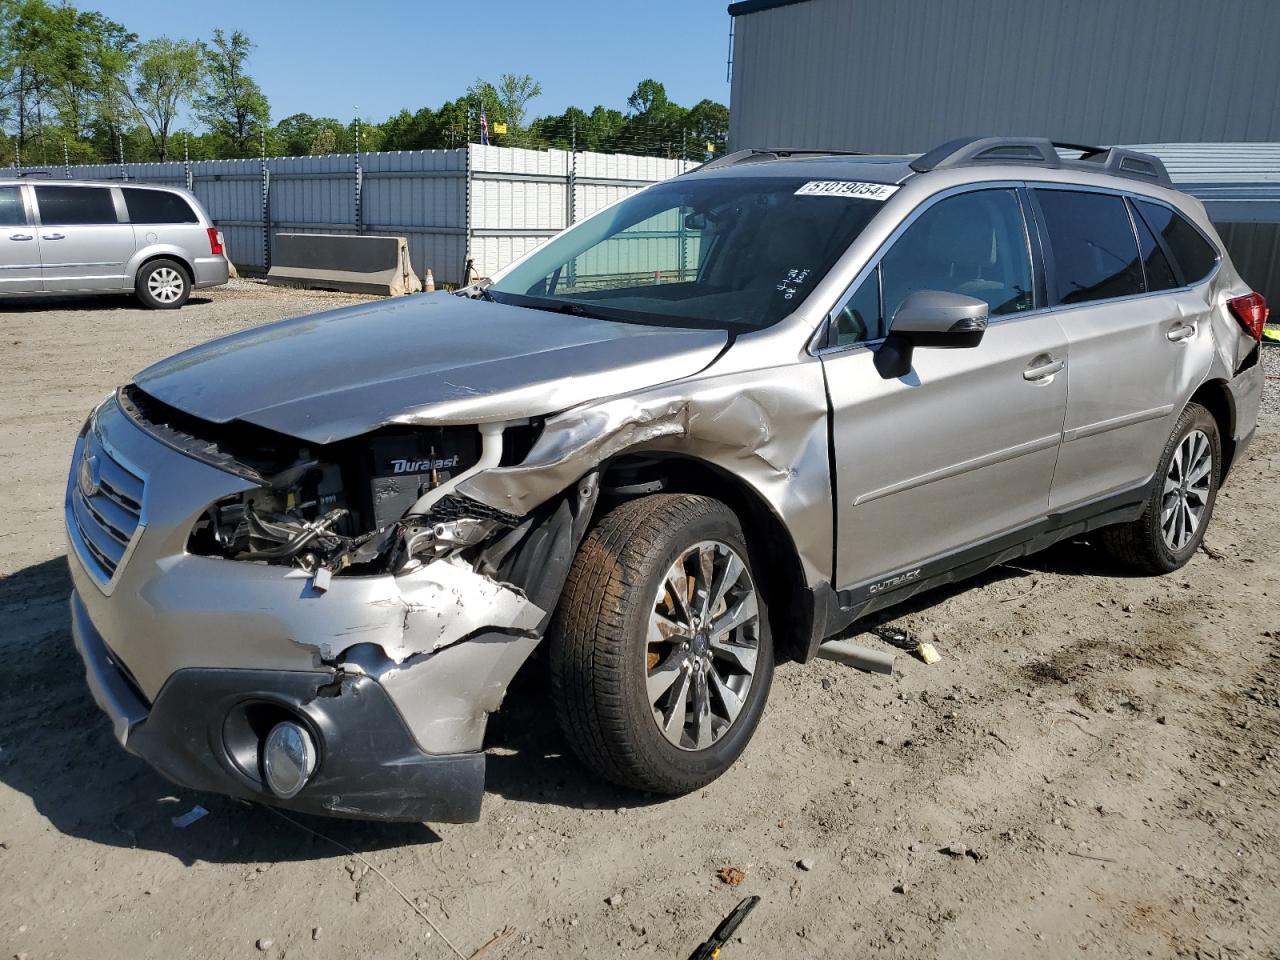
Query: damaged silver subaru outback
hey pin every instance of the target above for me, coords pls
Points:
(700, 432)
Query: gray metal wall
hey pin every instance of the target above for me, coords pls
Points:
(500, 201)
(906, 75)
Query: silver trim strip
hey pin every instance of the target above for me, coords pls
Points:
(1115, 423)
(955, 469)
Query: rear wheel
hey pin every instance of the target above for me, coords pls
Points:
(1180, 502)
(661, 658)
(163, 285)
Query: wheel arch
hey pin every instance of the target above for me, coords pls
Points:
(152, 254)
(775, 560)
(1215, 396)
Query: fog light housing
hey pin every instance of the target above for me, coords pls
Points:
(288, 759)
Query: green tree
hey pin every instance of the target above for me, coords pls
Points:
(234, 108)
(167, 76)
(301, 135)
(506, 102)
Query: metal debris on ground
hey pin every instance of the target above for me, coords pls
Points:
(188, 818)
(731, 875)
(714, 944)
(896, 637)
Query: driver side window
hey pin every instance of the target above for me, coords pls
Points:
(972, 243)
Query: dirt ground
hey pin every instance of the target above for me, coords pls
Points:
(1103, 746)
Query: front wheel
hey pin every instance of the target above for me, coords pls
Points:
(163, 285)
(661, 658)
(1180, 502)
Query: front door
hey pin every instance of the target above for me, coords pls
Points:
(83, 244)
(19, 245)
(962, 448)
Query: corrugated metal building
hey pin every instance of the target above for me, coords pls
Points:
(1198, 79)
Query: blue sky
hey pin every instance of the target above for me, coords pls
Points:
(325, 57)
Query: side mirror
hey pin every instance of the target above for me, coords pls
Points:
(930, 318)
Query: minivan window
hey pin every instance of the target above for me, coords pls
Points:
(157, 206)
(1154, 263)
(972, 243)
(12, 212)
(736, 253)
(1189, 249)
(1094, 252)
(75, 206)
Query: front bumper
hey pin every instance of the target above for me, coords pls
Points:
(371, 767)
(395, 675)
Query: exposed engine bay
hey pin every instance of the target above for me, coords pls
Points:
(362, 505)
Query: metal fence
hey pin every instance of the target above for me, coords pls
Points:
(491, 204)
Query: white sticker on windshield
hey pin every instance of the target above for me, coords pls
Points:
(847, 188)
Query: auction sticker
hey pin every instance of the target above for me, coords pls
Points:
(847, 188)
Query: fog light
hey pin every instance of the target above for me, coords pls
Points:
(288, 759)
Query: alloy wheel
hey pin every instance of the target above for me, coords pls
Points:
(703, 639)
(1186, 490)
(165, 284)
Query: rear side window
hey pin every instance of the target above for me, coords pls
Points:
(75, 206)
(157, 206)
(1154, 262)
(1095, 255)
(1190, 250)
(12, 212)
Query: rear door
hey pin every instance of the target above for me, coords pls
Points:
(961, 450)
(19, 244)
(84, 246)
(1134, 339)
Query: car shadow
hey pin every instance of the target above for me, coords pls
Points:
(84, 303)
(56, 747)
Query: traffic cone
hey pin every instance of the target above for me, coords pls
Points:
(429, 282)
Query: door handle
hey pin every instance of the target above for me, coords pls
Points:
(1183, 331)
(53, 236)
(1042, 367)
(21, 236)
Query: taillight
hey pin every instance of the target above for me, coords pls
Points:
(215, 244)
(1251, 310)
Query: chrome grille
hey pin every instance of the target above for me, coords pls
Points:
(104, 509)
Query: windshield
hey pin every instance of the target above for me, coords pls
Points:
(731, 253)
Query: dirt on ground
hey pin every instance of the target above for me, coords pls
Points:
(1091, 769)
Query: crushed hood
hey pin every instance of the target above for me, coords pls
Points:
(432, 358)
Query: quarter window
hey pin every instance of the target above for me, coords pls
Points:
(12, 213)
(1095, 254)
(1155, 264)
(157, 206)
(75, 206)
(1189, 249)
(859, 319)
(972, 243)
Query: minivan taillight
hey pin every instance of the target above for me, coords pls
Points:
(215, 245)
(1251, 310)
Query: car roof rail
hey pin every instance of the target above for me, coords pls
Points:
(34, 173)
(1118, 161)
(755, 154)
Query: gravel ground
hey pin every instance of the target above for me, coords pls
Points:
(1100, 746)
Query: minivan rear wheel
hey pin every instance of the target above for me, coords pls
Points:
(1180, 502)
(163, 285)
(661, 657)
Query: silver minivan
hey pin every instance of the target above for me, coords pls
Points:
(71, 237)
(708, 428)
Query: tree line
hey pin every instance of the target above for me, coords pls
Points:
(76, 84)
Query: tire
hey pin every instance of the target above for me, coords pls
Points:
(602, 661)
(1155, 542)
(163, 285)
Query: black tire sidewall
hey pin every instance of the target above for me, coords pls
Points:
(1195, 417)
(143, 294)
(686, 769)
